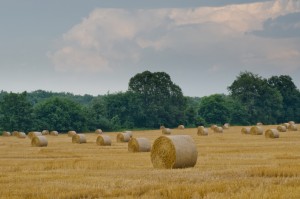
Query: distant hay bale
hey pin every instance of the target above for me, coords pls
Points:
(45, 132)
(259, 124)
(181, 127)
(21, 135)
(54, 133)
(175, 151)
(166, 131)
(78, 138)
(287, 125)
(256, 130)
(103, 140)
(272, 133)
(212, 127)
(39, 141)
(218, 129)
(281, 128)
(15, 133)
(123, 137)
(128, 132)
(162, 127)
(71, 133)
(291, 122)
(139, 145)
(293, 127)
(202, 131)
(226, 126)
(33, 134)
(98, 131)
(245, 130)
(6, 134)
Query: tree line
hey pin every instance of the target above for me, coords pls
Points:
(152, 99)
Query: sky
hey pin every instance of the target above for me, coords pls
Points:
(95, 46)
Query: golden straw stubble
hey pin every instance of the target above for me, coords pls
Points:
(175, 151)
(139, 145)
(103, 140)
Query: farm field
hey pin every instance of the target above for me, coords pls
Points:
(229, 165)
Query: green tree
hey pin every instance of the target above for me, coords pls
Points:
(16, 112)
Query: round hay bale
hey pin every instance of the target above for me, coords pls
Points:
(226, 126)
(78, 138)
(259, 124)
(139, 145)
(287, 125)
(45, 132)
(293, 127)
(103, 140)
(291, 122)
(181, 127)
(98, 131)
(212, 127)
(245, 130)
(281, 128)
(15, 133)
(166, 131)
(123, 137)
(218, 129)
(256, 130)
(272, 133)
(162, 127)
(71, 133)
(39, 141)
(33, 134)
(128, 132)
(175, 151)
(22, 135)
(6, 134)
(202, 131)
(54, 133)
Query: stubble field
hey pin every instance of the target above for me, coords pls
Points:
(229, 165)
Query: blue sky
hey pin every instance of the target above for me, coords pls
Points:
(95, 47)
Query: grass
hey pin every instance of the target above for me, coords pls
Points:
(230, 165)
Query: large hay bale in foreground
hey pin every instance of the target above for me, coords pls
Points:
(78, 138)
(103, 140)
(256, 130)
(45, 132)
(281, 128)
(166, 131)
(181, 127)
(202, 131)
(271, 133)
(139, 145)
(293, 127)
(39, 141)
(54, 133)
(218, 129)
(98, 131)
(245, 130)
(174, 151)
(71, 133)
(21, 135)
(33, 134)
(6, 134)
(15, 133)
(123, 137)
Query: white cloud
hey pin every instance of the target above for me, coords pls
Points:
(108, 38)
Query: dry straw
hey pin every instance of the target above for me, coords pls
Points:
(123, 137)
(259, 124)
(245, 130)
(212, 127)
(175, 151)
(256, 130)
(226, 126)
(218, 129)
(33, 134)
(166, 131)
(21, 135)
(103, 140)
(181, 127)
(162, 127)
(202, 131)
(15, 133)
(291, 122)
(45, 132)
(6, 134)
(272, 133)
(287, 125)
(54, 133)
(139, 145)
(128, 132)
(281, 128)
(293, 127)
(78, 138)
(39, 141)
(98, 131)
(71, 133)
